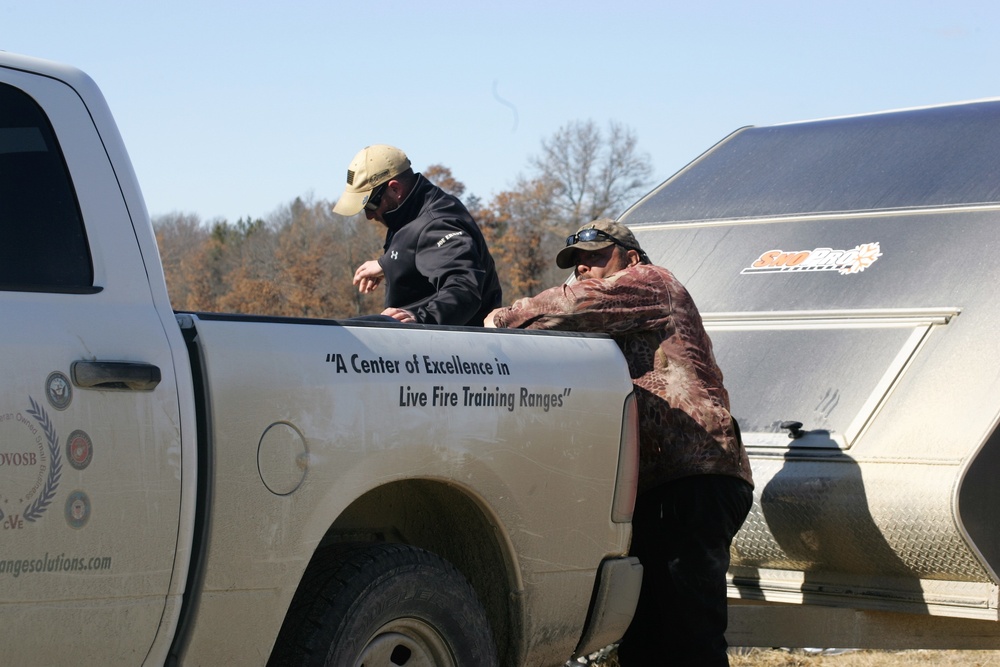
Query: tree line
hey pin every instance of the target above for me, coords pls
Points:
(300, 260)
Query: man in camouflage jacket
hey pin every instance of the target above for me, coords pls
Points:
(695, 485)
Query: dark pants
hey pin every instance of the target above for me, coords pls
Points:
(681, 533)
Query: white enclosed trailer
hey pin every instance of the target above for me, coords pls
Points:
(847, 270)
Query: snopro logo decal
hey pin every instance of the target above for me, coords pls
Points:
(844, 262)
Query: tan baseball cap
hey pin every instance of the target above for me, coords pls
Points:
(608, 233)
(370, 168)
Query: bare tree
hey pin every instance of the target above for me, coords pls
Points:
(522, 226)
(179, 236)
(314, 252)
(441, 176)
(595, 174)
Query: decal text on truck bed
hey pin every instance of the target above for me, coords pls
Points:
(453, 365)
(467, 397)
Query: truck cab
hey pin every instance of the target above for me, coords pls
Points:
(93, 499)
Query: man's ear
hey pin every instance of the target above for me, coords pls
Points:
(633, 257)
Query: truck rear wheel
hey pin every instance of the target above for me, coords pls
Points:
(385, 605)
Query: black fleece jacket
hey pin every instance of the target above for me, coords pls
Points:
(436, 262)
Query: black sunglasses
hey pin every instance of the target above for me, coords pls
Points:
(592, 234)
(375, 198)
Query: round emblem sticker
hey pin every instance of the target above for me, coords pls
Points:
(79, 449)
(58, 390)
(77, 509)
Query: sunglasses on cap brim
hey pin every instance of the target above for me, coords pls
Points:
(592, 234)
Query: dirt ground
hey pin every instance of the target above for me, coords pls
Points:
(760, 657)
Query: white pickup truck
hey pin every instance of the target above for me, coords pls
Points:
(208, 489)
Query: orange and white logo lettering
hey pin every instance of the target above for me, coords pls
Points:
(844, 262)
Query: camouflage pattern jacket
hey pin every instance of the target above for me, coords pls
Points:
(684, 423)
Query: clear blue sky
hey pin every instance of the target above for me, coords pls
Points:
(232, 108)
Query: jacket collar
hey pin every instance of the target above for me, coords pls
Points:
(410, 208)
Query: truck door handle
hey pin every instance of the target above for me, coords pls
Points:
(115, 375)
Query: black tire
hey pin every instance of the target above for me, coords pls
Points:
(385, 605)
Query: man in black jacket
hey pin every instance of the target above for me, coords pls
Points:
(436, 265)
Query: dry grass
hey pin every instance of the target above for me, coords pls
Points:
(798, 658)
(761, 657)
